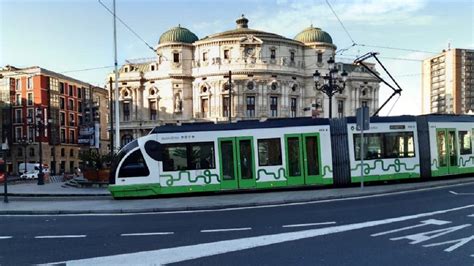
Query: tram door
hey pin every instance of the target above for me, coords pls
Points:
(447, 150)
(237, 162)
(303, 162)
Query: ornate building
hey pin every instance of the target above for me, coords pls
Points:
(272, 76)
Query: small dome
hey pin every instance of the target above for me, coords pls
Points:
(178, 34)
(312, 34)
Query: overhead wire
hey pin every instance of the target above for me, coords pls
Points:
(128, 27)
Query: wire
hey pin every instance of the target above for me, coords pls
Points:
(128, 27)
(395, 48)
(342, 24)
(389, 111)
(85, 69)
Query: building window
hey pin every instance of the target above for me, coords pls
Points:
(19, 152)
(62, 119)
(72, 137)
(18, 116)
(32, 152)
(126, 139)
(176, 57)
(29, 112)
(320, 57)
(293, 107)
(30, 98)
(31, 134)
(63, 152)
(153, 110)
(61, 87)
(126, 111)
(292, 57)
(79, 106)
(340, 108)
(71, 90)
(204, 107)
(225, 106)
(250, 85)
(30, 82)
(273, 53)
(70, 106)
(79, 92)
(152, 67)
(273, 106)
(250, 106)
(62, 103)
(364, 104)
(227, 54)
(18, 84)
(269, 152)
(204, 56)
(18, 99)
(63, 137)
(71, 120)
(18, 133)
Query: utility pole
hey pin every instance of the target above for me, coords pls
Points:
(111, 107)
(117, 114)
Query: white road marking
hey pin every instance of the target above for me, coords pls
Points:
(148, 234)
(425, 236)
(61, 236)
(184, 253)
(422, 223)
(303, 225)
(471, 215)
(460, 242)
(244, 208)
(226, 230)
(460, 193)
(5, 237)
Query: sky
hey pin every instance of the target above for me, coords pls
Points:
(75, 37)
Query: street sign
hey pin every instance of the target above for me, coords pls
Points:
(363, 118)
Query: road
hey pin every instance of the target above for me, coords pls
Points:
(429, 227)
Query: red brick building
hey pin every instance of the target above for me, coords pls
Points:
(63, 102)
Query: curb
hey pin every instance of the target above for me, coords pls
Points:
(356, 194)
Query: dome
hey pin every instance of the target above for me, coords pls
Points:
(312, 34)
(178, 34)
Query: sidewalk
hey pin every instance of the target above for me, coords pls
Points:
(58, 200)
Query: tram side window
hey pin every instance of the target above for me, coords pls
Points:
(269, 152)
(465, 142)
(188, 156)
(174, 157)
(385, 145)
(134, 166)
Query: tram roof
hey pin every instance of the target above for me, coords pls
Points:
(242, 124)
(449, 118)
(385, 119)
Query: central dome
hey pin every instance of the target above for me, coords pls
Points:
(178, 34)
(312, 34)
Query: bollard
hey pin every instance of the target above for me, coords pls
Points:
(5, 187)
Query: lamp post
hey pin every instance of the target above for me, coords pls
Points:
(38, 125)
(24, 142)
(331, 80)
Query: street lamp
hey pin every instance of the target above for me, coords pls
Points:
(24, 142)
(331, 80)
(39, 126)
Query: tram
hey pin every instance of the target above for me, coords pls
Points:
(290, 152)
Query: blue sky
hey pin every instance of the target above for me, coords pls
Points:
(72, 35)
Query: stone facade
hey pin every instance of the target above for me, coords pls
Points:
(272, 76)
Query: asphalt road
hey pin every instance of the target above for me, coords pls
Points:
(431, 227)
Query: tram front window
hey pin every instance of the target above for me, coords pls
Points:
(134, 166)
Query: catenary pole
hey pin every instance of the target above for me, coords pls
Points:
(117, 114)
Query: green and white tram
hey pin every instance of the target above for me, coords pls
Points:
(291, 152)
(213, 157)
